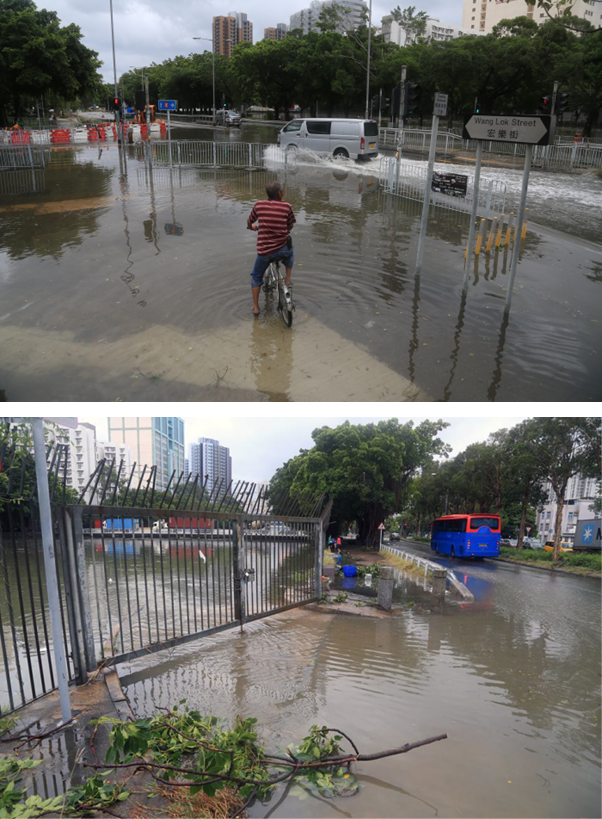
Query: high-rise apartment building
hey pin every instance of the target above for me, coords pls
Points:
(154, 442)
(483, 15)
(307, 19)
(277, 33)
(231, 30)
(212, 462)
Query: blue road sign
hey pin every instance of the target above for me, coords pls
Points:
(167, 105)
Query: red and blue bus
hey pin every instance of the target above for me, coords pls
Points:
(466, 535)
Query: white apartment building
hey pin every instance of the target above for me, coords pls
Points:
(213, 463)
(483, 15)
(393, 32)
(307, 19)
(114, 451)
(81, 449)
(580, 494)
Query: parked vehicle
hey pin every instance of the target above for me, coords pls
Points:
(565, 546)
(532, 543)
(353, 138)
(467, 535)
(228, 118)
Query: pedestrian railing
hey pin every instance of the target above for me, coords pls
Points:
(410, 181)
(418, 140)
(429, 567)
(22, 156)
(215, 154)
(563, 155)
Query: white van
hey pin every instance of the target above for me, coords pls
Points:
(352, 138)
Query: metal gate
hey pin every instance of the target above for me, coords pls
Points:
(140, 568)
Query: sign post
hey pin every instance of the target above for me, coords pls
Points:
(381, 529)
(527, 131)
(168, 105)
(440, 105)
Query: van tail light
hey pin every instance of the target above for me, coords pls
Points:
(362, 143)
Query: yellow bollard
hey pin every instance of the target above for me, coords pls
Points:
(491, 234)
(509, 229)
(498, 238)
(524, 230)
(480, 237)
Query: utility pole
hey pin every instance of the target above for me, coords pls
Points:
(400, 125)
(52, 584)
(380, 106)
(368, 68)
(117, 112)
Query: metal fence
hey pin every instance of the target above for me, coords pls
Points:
(410, 181)
(22, 156)
(142, 568)
(563, 155)
(216, 154)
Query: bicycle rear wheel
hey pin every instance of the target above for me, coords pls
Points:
(285, 302)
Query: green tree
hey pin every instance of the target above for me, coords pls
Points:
(366, 469)
(562, 448)
(414, 23)
(38, 57)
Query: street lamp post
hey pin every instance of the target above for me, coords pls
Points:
(212, 65)
(368, 66)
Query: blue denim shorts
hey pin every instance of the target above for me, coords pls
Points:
(263, 262)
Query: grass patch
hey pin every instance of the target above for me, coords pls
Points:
(577, 562)
(408, 566)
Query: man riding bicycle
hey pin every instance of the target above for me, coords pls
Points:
(275, 220)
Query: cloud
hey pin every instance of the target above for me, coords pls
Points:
(148, 31)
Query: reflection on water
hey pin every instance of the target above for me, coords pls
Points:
(355, 250)
(513, 679)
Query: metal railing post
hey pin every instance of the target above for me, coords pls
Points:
(82, 586)
(238, 559)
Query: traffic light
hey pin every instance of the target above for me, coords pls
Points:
(545, 104)
(561, 103)
(384, 103)
(395, 106)
(477, 106)
(374, 104)
(116, 104)
(411, 98)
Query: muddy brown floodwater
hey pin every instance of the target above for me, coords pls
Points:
(513, 679)
(119, 283)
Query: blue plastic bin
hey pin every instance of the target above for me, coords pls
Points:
(349, 571)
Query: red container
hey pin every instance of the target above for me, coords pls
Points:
(60, 135)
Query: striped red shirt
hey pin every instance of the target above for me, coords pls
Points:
(275, 221)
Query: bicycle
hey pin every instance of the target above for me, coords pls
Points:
(274, 279)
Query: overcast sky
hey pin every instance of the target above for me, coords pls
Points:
(260, 445)
(148, 31)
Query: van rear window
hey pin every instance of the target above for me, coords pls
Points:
(370, 129)
(315, 126)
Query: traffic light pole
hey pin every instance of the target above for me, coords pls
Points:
(117, 117)
(380, 106)
(400, 126)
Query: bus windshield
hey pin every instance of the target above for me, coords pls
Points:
(492, 523)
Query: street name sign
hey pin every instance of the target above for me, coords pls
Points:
(167, 105)
(521, 130)
(440, 108)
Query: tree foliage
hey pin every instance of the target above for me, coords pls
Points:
(39, 57)
(365, 468)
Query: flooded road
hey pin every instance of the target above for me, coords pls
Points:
(119, 283)
(514, 680)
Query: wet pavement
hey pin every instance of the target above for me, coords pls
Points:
(117, 283)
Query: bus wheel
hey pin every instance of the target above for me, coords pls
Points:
(453, 552)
